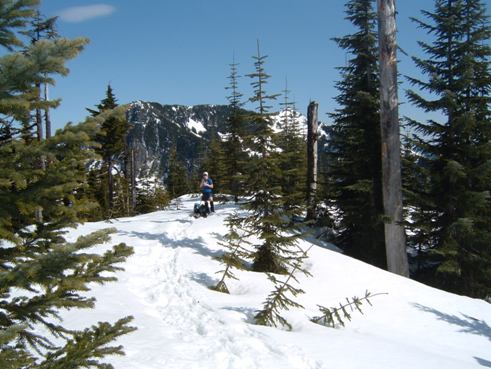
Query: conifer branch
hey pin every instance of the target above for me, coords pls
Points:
(233, 258)
(278, 300)
(337, 315)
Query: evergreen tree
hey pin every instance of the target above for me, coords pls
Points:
(456, 150)
(236, 254)
(112, 144)
(177, 180)
(109, 102)
(96, 191)
(35, 64)
(42, 28)
(354, 142)
(15, 15)
(234, 155)
(338, 315)
(418, 205)
(150, 196)
(40, 273)
(292, 158)
(281, 298)
(214, 163)
(46, 272)
(266, 217)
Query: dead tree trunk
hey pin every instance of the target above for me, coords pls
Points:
(133, 179)
(47, 118)
(312, 160)
(110, 182)
(38, 117)
(395, 238)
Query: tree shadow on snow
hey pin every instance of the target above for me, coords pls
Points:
(183, 221)
(249, 313)
(204, 279)
(218, 236)
(468, 323)
(483, 362)
(197, 244)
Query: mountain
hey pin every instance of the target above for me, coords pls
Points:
(156, 128)
(182, 324)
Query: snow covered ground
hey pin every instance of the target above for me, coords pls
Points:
(184, 325)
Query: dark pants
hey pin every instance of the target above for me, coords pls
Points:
(206, 197)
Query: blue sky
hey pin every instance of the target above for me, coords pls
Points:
(177, 52)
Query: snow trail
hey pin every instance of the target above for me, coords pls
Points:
(184, 325)
(197, 334)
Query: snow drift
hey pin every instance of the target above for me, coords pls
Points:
(182, 324)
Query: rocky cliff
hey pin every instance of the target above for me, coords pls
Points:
(156, 128)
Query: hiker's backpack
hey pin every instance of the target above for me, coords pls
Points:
(200, 210)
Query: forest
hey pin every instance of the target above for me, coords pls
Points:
(406, 195)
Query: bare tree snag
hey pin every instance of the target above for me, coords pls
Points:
(47, 119)
(395, 238)
(133, 179)
(312, 127)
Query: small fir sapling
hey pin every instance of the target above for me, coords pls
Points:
(278, 299)
(338, 315)
(235, 243)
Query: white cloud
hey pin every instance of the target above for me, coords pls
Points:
(77, 14)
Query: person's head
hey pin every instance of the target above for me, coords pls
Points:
(205, 175)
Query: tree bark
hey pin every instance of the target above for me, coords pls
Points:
(133, 179)
(39, 117)
(110, 186)
(395, 238)
(312, 159)
(47, 118)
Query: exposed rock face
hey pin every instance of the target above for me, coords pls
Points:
(156, 128)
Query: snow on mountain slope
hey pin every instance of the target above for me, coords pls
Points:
(184, 325)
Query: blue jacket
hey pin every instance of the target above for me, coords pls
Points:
(207, 189)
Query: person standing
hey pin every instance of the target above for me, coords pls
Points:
(207, 192)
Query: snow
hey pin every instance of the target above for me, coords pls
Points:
(279, 117)
(184, 325)
(198, 126)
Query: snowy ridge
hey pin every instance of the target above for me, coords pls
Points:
(198, 126)
(299, 118)
(184, 325)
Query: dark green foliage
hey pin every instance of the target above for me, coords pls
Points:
(354, 164)
(86, 345)
(14, 15)
(214, 164)
(338, 315)
(456, 151)
(42, 187)
(150, 197)
(236, 244)
(23, 70)
(109, 102)
(25, 187)
(112, 131)
(418, 205)
(234, 155)
(41, 28)
(111, 139)
(292, 159)
(279, 298)
(46, 272)
(96, 191)
(266, 217)
(177, 177)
